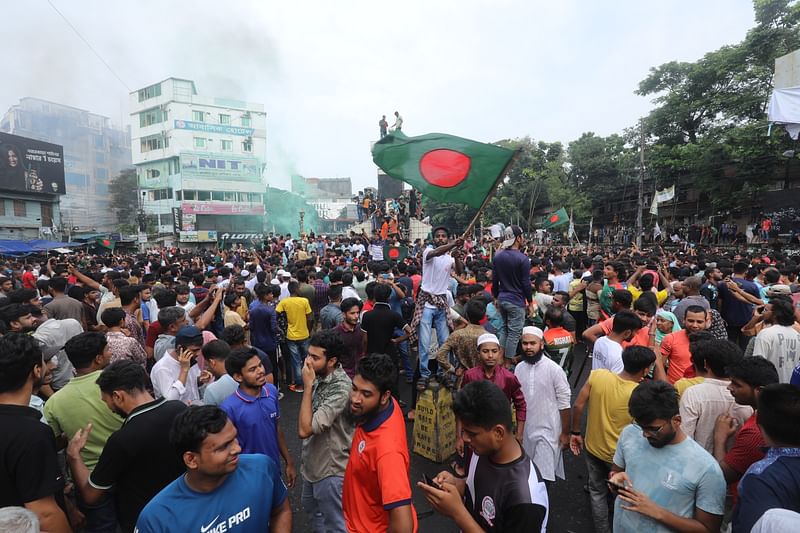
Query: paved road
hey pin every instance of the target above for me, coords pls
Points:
(569, 504)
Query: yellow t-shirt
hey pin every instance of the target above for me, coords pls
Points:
(608, 412)
(297, 309)
(684, 383)
(661, 296)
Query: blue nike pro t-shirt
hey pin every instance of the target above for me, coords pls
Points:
(242, 504)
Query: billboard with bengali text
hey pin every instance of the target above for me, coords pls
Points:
(217, 208)
(213, 128)
(220, 166)
(31, 166)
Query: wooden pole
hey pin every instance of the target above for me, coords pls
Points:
(489, 196)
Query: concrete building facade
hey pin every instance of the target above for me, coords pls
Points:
(95, 151)
(199, 162)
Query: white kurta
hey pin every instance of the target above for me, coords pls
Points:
(547, 392)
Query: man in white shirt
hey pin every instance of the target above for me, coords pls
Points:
(607, 352)
(434, 298)
(703, 403)
(780, 342)
(176, 376)
(547, 394)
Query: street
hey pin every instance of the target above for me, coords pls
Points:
(569, 503)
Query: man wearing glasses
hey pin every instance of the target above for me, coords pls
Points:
(664, 480)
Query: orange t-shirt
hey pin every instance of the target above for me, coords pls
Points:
(640, 338)
(376, 478)
(675, 349)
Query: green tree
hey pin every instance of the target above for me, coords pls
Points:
(124, 200)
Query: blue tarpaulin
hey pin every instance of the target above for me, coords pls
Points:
(29, 247)
(15, 248)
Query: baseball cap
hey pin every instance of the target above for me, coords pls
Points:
(779, 290)
(188, 335)
(510, 234)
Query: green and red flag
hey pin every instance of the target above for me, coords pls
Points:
(106, 243)
(443, 167)
(556, 219)
(394, 253)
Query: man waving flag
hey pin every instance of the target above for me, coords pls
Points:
(443, 167)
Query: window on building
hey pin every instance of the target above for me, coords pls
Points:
(203, 196)
(199, 142)
(227, 146)
(198, 116)
(190, 195)
(151, 116)
(217, 196)
(230, 196)
(99, 158)
(47, 215)
(165, 219)
(101, 188)
(174, 166)
(152, 173)
(246, 120)
(224, 119)
(150, 92)
(19, 208)
(2, 207)
(101, 174)
(247, 145)
(99, 142)
(74, 179)
(154, 142)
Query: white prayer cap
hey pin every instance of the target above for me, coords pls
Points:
(488, 337)
(533, 330)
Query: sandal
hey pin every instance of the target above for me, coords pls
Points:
(422, 384)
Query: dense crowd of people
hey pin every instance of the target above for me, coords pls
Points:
(143, 392)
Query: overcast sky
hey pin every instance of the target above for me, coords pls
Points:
(326, 71)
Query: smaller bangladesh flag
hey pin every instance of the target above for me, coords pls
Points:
(556, 219)
(106, 243)
(395, 253)
(443, 167)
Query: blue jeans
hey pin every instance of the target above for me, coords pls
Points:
(402, 351)
(430, 318)
(298, 351)
(323, 501)
(513, 319)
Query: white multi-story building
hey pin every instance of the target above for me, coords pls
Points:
(199, 161)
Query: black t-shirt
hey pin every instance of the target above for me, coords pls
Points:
(509, 498)
(379, 325)
(138, 460)
(29, 466)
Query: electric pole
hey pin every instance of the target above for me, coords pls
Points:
(640, 202)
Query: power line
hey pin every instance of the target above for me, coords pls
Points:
(89, 45)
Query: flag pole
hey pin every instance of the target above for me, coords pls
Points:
(489, 196)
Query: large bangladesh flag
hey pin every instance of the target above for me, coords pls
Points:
(556, 219)
(443, 167)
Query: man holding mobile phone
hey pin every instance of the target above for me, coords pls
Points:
(176, 376)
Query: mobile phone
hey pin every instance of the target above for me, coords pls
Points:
(613, 485)
(430, 482)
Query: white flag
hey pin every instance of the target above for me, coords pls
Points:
(656, 232)
(666, 195)
(654, 206)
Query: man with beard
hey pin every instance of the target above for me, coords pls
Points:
(503, 491)
(253, 409)
(376, 492)
(29, 472)
(327, 429)
(137, 461)
(665, 481)
(547, 396)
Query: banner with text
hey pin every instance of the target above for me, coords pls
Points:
(220, 166)
(213, 128)
(28, 165)
(213, 208)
